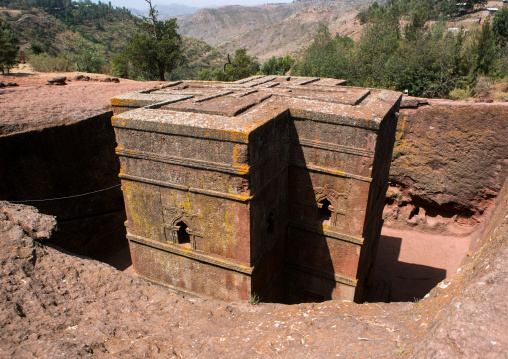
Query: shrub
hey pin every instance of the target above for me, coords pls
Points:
(461, 94)
(44, 63)
(119, 66)
(501, 97)
(483, 84)
(205, 75)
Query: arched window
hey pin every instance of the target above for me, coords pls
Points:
(325, 214)
(183, 236)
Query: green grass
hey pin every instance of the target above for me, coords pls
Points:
(254, 299)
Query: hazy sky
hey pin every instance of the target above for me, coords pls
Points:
(139, 4)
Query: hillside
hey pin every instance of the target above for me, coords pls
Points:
(215, 25)
(62, 40)
(52, 31)
(272, 29)
(199, 55)
(296, 32)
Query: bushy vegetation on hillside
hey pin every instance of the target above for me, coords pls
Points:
(425, 60)
(199, 56)
(64, 35)
(428, 9)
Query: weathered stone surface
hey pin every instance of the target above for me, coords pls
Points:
(228, 174)
(51, 106)
(412, 102)
(58, 80)
(35, 224)
(449, 162)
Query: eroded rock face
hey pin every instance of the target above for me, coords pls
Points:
(36, 225)
(449, 163)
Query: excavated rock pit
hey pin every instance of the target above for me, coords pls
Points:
(58, 304)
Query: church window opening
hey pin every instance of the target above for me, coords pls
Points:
(183, 236)
(325, 214)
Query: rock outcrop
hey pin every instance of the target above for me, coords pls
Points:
(449, 163)
(58, 81)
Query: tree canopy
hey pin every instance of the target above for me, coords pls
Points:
(426, 60)
(500, 26)
(432, 9)
(156, 49)
(277, 66)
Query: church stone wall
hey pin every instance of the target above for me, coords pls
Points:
(269, 186)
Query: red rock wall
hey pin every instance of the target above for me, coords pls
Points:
(449, 163)
(64, 161)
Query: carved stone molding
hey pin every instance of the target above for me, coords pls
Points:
(338, 200)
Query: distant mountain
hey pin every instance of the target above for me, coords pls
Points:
(271, 29)
(216, 25)
(168, 11)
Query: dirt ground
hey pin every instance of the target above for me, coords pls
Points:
(24, 74)
(35, 105)
(414, 262)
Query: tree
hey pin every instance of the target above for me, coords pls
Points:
(500, 26)
(277, 66)
(321, 58)
(119, 66)
(483, 51)
(8, 48)
(379, 42)
(156, 49)
(242, 66)
(88, 56)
